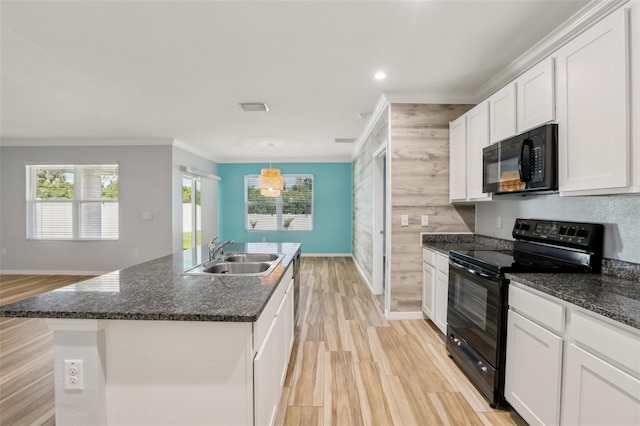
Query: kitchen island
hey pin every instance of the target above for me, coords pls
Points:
(161, 347)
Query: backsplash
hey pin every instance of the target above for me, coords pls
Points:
(619, 214)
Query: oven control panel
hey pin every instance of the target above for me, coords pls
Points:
(579, 234)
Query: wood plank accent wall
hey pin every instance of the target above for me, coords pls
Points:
(419, 161)
(362, 249)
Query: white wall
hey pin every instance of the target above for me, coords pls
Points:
(619, 214)
(145, 178)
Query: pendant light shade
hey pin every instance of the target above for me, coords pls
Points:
(270, 182)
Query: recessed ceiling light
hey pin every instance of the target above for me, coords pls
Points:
(254, 106)
(343, 140)
(380, 75)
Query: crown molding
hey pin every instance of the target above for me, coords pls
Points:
(84, 142)
(591, 13)
(429, 98)
(380, 107)
(260, 160)
(193, 150)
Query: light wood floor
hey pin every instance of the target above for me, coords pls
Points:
(26, 354)
(349, 365)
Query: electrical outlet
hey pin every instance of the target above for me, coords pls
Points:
(147, 216)
(404, 219)
(73, 374)
(136, 251)
(425, 220)
(4, 251)
(499, 222)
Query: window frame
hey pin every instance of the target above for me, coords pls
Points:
(279, 204)
(76, 202)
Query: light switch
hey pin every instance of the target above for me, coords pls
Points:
(499, 222)
(147, 216)
(425, 220)
(404, 220)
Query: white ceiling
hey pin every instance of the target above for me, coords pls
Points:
(178, 69)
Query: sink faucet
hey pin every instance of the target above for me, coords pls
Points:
(215, 249)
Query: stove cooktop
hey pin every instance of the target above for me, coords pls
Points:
(501, 261)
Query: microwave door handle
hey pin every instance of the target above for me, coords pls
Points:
(524, 167)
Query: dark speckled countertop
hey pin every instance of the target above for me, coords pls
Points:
(614, 294)
(158, 290)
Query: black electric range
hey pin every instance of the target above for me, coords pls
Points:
(478, 291)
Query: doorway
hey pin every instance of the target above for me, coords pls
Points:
(380, 225)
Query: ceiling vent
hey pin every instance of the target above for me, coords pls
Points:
(343, 140)
(254, 106)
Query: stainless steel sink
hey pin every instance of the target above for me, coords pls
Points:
(251, 257)
(238, 268)
(244, 264)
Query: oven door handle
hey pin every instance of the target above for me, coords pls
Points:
(471, 271)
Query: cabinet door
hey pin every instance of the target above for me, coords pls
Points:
(536, 96)
(502, 113)
(458, 159)
(593, 107)
(441, 301)
(428, 290)
(597, 393)
(477, 138)
(266, 378)
(533, 371)
(288, 315)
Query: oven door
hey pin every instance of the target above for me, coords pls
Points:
(475, 308)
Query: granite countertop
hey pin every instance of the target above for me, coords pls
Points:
(614, 294)
(158, 290)
(608, 295)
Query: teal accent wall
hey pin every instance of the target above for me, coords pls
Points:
(331, 206)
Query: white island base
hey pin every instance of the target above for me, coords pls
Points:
(175, 372)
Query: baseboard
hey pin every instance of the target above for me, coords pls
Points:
(303, 254)
(47, 272)
(405, 315)
(364, 278)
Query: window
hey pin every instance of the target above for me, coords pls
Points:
(292, 210)
(191, 220)
(72, 202)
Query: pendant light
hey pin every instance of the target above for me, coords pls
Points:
(270, 181)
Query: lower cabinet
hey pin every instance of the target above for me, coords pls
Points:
(602, 374)
(435, 287)
(569, 366)
(272, 360)
(533, 370)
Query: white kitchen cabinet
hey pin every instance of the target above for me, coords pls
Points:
(536, 96)
(534, 357)
(502, 113)
(435, 287)
(593, 109)
(441, 301)
(428, 289)
(458, 159)
(602, 374)
(271, 361)
(477, 139)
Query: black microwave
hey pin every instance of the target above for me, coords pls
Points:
(523, 163)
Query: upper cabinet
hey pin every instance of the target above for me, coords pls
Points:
(524, 104)
(502, 113)
(536, 96)
(467, 136)
(593, 109)
(477, 138)
(458, 159)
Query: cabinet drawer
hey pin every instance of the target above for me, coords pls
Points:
(620, 347)
(429, 257)
(442, 263)
(545, 312)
